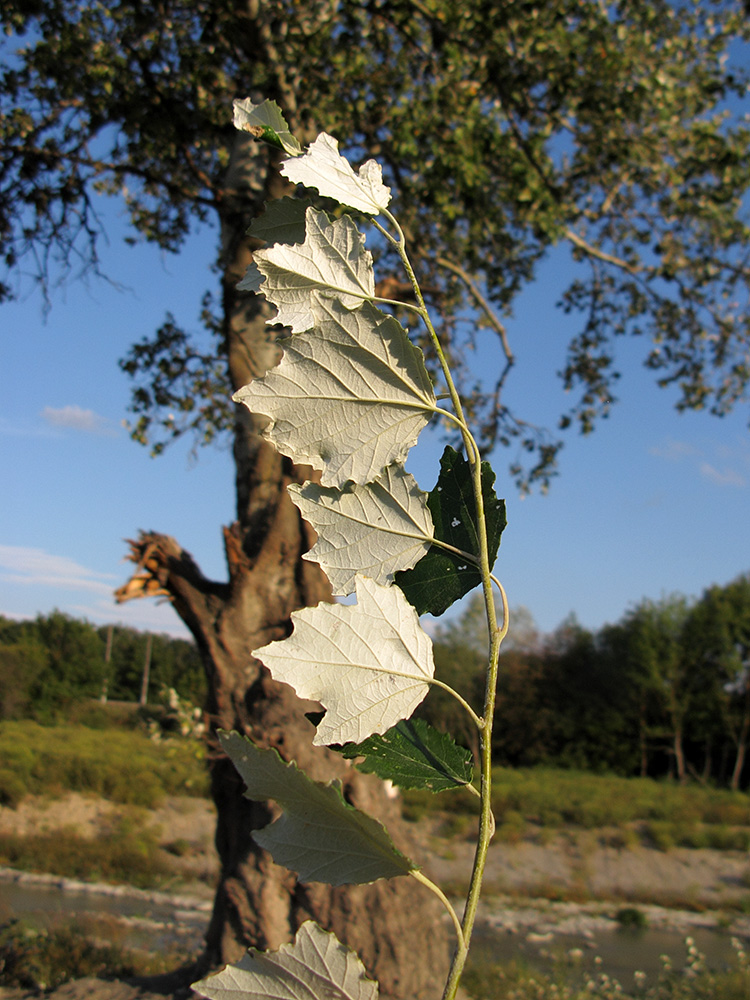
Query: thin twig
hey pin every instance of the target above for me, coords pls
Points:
(482, 302)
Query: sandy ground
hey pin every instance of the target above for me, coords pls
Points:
(181, 820)
(578, 865)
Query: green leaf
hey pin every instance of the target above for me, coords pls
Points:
(414, 755)
(265, 121)
(375, 529)
(349, 398)
(441, 577)
(319, 835)
(283, 221)
(315, 967)
(369, 664)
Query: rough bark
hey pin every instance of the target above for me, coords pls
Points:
(397, 927)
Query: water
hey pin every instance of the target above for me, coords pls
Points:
(161, 925)
(619, 952)
(139, 921)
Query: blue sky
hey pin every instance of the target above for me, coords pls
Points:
(652, 502)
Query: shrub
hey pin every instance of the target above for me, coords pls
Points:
(632, 918)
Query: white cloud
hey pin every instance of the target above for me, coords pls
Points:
(77, 419)
(720, 464)
(673, 451)
(27, 567)
(8, 429)
(34, 567)
(725, 477)
(146, 614)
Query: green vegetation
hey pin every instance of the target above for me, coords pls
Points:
(661, 813)
(40, 959)
(663, 692)
(55, 661)
(128, 854)
(117, 764)
(593, 125)
(632, 918)
(554, 797)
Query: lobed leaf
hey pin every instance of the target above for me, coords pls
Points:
(318, 835)
(442, 577)
(413, 754)
(331, 262)
(325, 169)
(316, 966)
(265, 121)
(283, 221)
(349, 398)
(375, 529)
(368, 664)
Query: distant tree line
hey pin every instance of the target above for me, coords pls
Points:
(664, 691)
(54, 660)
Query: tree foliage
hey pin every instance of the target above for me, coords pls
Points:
(717, 650)
(502, 131)
(55, 660)
(662, 691)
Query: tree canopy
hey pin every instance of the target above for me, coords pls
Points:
(503, 130)
(55, 660)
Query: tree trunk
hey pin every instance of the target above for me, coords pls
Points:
(739, 760)
(396, 926)
(679, 753)
(642, 738)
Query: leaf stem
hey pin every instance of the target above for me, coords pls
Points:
(456, 552)
(400, 244)
(398, 303)
(479, 723)
(420, 877)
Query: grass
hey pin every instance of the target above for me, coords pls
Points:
(659, 813)
(552, 797)
(117, 764)
(40, 959)
(129, 854)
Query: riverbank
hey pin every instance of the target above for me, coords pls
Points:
(560, 889)
(589, 868)
(561, 882)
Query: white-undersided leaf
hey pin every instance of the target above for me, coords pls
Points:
(265, 121)
(315, 967)
(368, 664)
(327, 171)
(318, 835)
(331, 262)
(349, 398)
(376, 529)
